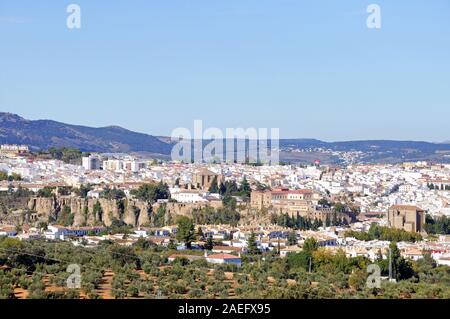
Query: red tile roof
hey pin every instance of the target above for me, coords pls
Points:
(294, 191)
(222, 256)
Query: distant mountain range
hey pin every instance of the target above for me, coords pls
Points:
(372, 151)
(42, 134)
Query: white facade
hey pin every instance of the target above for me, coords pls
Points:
(187, 196)
(91, 162)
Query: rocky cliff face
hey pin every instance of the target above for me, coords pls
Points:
(132, 212)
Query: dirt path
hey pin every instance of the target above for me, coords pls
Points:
(105, 287)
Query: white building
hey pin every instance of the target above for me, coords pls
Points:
(133, 165)
(187, 195)
(113, 165)
(224, 259)
(91, 162)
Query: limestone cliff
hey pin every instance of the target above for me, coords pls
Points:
(132, 212)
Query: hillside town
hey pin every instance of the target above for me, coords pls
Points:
(334, 202)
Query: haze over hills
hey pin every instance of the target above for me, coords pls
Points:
(42, 134)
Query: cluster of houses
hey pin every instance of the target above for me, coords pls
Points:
(231, 242)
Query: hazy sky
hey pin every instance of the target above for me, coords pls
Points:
(311, 68)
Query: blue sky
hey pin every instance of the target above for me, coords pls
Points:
(309, 67)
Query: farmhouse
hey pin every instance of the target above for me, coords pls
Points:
(224, 259)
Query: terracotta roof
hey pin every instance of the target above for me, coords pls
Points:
(222, 256)
(205, 171)
(413, 251)
(406, 207)
(294, 191)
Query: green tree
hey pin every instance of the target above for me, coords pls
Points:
(65, 217)
(64, 190)
(324, 202)
(159, 219)
(83, 190)
(385, 233)
(304, 259)
(186, 231)
(214, 188)
(310, 245)
(98, 211)
(85, 215)
(3, 176)
(327, 221)
(439, 225)
(222, 188)
(200, 234)
(245, 190)
(209, 243)
(401, 268)
(358, 280)
(14, 177)
(292, 239)
(229, 202)
(68, 155)
(339, 207)
(298, 261)
(151, 193)
(252, 246)
(46, 192)
(112, 194)
(172, 245)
